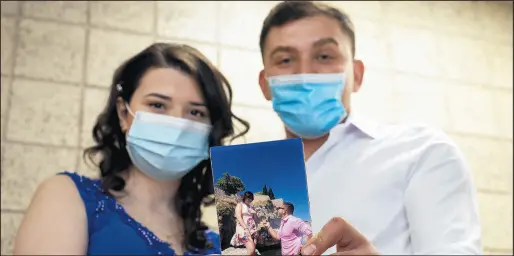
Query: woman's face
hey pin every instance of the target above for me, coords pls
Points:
(248, 201)
(166, 91)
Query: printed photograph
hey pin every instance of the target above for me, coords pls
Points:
(261, 197)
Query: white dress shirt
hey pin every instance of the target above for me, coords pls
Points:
(405, 187)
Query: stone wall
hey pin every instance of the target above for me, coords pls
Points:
(445, 63)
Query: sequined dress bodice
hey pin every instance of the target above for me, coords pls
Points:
(112, 231)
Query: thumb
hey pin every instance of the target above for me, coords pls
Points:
(336, 232)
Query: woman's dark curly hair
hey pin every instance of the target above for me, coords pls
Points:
(247, 195)
(110, 140)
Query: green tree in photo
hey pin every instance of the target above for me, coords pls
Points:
(230, 184)
(265, 190)
(270, 194)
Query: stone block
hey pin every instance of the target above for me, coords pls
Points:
(420, 99)
(68, 11)
(489, 160)
(8, 31)
(456, 18)
(24, 167)
(464, 59)
(243, 76)
(10, 224)
(496, 217)
(409, 13)
(108, 50)
(470, 109)
(188, 20)
(5, 83)
(241, 22)
(95, 100)
(10, 8)
(376, 97)
(130, 15)
(502, 112)
(44, 112)
(414, 50)
(265, 125)
(50, 51)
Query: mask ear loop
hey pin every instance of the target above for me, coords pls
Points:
(119, 88)
(128, 109)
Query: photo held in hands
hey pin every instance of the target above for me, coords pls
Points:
(261, 198)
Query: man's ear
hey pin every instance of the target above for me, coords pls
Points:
(358, 74)
(122, 111)
(263, 83)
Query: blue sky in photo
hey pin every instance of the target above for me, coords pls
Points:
(278, 164)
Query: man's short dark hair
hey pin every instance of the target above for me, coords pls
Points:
(290, 207)
(289, 11)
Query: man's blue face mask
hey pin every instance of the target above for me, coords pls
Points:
(308, 104)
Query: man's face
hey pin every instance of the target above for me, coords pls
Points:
(311, 45)
(281, 210)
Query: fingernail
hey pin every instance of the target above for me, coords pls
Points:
(309, 249)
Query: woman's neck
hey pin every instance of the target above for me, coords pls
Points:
(149, 192)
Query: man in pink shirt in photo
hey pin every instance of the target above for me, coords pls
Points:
(291, 230)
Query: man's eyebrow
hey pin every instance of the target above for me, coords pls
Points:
(324, 41)
(282, 49)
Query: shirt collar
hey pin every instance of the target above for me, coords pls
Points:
(361, 124)
(286, 218)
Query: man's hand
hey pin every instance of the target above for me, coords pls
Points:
(344, 236)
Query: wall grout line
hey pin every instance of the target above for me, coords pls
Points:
(12, 211)
(494, 192)
(84, 82)
(39, 144)
(155, 20)
(10, 92)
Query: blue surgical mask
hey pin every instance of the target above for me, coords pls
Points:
(308, 104)
(165, 147)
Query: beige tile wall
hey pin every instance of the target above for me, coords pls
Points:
(445, 63)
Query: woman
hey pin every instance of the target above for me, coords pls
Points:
(167, 106)
(246, 229)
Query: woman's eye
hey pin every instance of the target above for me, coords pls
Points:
(157, 105)
(197, 113)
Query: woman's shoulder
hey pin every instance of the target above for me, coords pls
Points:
(68, 184)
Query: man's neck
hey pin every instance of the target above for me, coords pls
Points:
(309, 145)
(312, 145)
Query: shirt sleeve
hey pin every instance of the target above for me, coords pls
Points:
(303, 227)
(441, 202)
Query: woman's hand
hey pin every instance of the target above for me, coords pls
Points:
(344, 236)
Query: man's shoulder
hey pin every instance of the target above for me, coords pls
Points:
(411, 132)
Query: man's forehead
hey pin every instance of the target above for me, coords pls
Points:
(305, 33)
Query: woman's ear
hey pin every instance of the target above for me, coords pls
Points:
(121, 109)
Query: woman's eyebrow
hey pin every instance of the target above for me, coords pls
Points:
(158, 95)
(200, 104)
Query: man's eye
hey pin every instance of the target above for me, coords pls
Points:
(282, 61)
(324, 57)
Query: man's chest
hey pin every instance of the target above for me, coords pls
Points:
(365, 189)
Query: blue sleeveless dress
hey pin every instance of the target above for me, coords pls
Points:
(112, 231)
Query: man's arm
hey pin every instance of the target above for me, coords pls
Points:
(441, 202)
(272, 233)
(303, 228)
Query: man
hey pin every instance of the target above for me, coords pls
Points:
(291, 230)
(388, 189)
